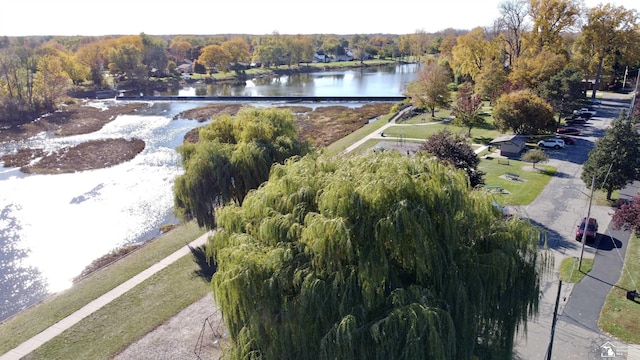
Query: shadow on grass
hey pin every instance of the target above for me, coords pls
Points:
(485, 140)
(206, 263)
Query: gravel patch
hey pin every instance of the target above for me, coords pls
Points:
(197, 332)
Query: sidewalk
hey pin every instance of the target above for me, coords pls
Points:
(66, 323)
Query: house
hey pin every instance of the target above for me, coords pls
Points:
(348, 56)
(510, 145)
(320, 57)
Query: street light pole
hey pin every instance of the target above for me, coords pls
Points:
(586, 223)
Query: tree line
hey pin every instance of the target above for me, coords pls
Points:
(542, 45)
(539, 60)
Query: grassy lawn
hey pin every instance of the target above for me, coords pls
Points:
(129, 317)
(340, 145)
(619, 316)
(569, 269)
(522, 191)
(37, 318)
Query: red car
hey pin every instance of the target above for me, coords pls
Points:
(568, 131)
(567, 140)
(592, 230)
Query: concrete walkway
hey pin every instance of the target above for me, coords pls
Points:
(66, 323)
(378, 133)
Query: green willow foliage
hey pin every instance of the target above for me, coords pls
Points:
(373, 257)
(234, 155)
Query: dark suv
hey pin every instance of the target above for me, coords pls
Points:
(592, 230)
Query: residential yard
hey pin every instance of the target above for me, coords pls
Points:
(620, 316)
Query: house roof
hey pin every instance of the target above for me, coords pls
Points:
(514, 139)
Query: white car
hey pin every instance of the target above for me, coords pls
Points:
(552, 143)
(585, 110)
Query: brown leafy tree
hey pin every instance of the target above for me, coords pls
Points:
(456, 151)
(467, 107)
(431, 89)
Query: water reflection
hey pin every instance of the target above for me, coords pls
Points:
(365, 81)
(20, 285)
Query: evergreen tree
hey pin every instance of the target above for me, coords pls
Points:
(615, 159)
(372, 257)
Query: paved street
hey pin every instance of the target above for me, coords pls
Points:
(559, 210)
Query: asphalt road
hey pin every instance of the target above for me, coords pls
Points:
(558, 210)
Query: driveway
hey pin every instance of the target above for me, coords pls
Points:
(558, 210)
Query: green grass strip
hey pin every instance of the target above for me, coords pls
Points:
(569, 269)
(112, 328)
(35, 319)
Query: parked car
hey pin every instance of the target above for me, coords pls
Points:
(595, 101)
(567, 139)
(551, 143)
(576, 121)
(592, 230)
(581, 115)
(568, 131)
(585, 110)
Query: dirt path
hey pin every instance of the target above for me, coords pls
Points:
(197, 332)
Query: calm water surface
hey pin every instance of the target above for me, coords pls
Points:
(53, 226)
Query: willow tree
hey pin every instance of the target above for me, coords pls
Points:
(233, 156)
(372, 257)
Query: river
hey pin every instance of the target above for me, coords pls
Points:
(53, 226)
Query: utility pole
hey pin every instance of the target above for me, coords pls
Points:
(553, 323)
(635, 95)
(586, 223)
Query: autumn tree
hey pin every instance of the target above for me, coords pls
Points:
(511, 23)
(238, 50)
(550, 19)
(331, 45)
(127, 59)
(431, 88)
(215, 58)
(608, 31)
(523, 112)
(233, 156)
(51, 82)
(535, 156)
(490, 81)
(531, 71)
(378, 256)
(615, 159)
(472, 51)
(467, 107)
(94, 56)
(180, 50)
(456, 151)
(627, 216)
(154, 53)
